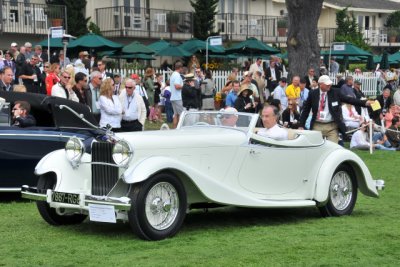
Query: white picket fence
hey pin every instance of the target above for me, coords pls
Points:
(371, 85)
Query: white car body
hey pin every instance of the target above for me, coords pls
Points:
(216, 165)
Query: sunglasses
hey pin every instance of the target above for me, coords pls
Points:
(46, 66)
(129, 87)
(66, 77)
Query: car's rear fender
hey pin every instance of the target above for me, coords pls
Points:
(332, 162)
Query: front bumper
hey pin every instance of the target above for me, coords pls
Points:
(121, 203)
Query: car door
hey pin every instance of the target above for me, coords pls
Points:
(273, 168)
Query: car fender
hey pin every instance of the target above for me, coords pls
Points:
(209, 187)
(338, 157)
(57, 162)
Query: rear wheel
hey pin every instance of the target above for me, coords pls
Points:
(51, 215)
(342, 193)
(158, 207)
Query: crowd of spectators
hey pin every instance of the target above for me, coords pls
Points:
(306, 102)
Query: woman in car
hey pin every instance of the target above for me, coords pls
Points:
(110, 106)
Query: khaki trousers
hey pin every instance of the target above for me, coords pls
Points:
(328, 130)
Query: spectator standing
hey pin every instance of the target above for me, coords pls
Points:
(166, 93)
(325, 105)
(280, 93)
(290, 116)
(207, 91)
(31, 76)
(6, 80)
(293, 90)
(233, 76)
(118, 86)
(232, 95)
(14, 50)
(193, 64)
(176, 84)
(63, 89)
(101, 65)
(63, 61)
(396, 97)
(158, 86)
(9, 62)
(28, 51)
(133, 108)
(310, 77)
(42, 56)
(110, 106)
(20, 61)
(190, 93)
(81, 89)
(244, 102)
(256, 66)
(52, 77)
(303, 93)
(334, 67)
(94, 88)
(272, 76)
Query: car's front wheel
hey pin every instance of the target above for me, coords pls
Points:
(342, 193)
(158, 207)
(51, 215)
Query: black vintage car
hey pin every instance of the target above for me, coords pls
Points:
(22, 148)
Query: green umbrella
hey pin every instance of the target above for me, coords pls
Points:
(136, 48)
(378, 58)
(349, 50)
(95, 42)
(174, 51)
(385, 61)
(54, 43)
(195, 45)
(395, 58)
(252, 46)
(370, 63)
(159, 45)
(134, 56)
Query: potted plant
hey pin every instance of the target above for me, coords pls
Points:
(282, 26)
(172, 20)
(392, 35)
(54, 14)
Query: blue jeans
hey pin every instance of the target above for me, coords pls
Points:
(168, 111)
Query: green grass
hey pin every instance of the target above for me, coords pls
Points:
(219, 237)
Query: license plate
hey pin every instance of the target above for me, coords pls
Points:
(68, 198)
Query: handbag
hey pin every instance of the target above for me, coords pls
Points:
(146, 103)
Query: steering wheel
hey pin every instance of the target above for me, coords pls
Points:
(201, 123)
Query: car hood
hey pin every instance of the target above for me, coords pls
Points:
(187, 137)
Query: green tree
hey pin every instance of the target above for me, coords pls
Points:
(77, 23)
(94, 28)
(348, 30)
(393, 20)
(204, 18)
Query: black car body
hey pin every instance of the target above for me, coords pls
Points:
(22, 148)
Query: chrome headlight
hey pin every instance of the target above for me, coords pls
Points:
(122, 153)
(74, 150)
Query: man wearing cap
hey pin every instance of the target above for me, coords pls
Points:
(190, 95)
(326, 106)
(14, 50)
(176, 85)
(229, 117)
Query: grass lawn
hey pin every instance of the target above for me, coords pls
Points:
(219, 237)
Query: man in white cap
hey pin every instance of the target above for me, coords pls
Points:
(229, 117)
(326, 106)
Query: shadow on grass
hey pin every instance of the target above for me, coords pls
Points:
(213, 219)
(11, 197)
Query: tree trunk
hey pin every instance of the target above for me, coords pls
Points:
(303, 47)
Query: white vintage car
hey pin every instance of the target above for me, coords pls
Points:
(152, 179)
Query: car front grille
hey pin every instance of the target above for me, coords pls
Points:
(104, 177)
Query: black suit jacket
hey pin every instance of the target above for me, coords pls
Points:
(335, 98)
(308, 83)
(268, 75)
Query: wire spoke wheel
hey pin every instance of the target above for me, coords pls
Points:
(341, 190)
(162, 205)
